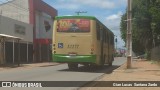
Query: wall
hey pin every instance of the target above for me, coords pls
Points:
(39, 13)
(16, 28)
(43, 21)
(16, 9)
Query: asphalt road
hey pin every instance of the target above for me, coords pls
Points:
(57, 73)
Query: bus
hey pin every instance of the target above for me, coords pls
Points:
(82, 40)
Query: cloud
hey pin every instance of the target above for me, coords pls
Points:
(107, 4)
(68, 6)
(65, 4)
(3, 1)
(77, 4)
(113, 21)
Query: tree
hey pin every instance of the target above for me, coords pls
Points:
(145, 25)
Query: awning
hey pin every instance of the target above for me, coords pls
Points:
(9, 36)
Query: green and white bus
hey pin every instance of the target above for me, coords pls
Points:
(82, 40)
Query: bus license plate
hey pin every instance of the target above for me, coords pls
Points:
(72, 54)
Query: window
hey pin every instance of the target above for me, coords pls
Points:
(98, 31)
(19, 29)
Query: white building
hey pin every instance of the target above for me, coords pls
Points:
(34, 21)
(9, 49)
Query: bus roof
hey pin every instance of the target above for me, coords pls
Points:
(81, 17)
(74, 17)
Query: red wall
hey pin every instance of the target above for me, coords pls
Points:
(39, 5)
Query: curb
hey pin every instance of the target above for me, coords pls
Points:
(118, 69)
(25, 66)
(136, 70)
(90, 82)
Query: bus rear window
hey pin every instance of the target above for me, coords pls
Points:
(73, 25)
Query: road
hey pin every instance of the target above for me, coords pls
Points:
(57, 73)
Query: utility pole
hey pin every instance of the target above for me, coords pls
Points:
(129, 34)
(0, 15)
(78, 12)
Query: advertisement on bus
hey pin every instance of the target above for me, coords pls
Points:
(73, 25)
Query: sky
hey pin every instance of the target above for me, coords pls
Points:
(109, 12)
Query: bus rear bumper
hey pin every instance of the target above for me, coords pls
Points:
(77, 59)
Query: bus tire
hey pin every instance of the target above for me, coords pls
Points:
(72, 66)
(110, 63)
(102, 60)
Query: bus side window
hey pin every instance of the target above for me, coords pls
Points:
(109, 39)
(112, 40)
(105, 36)
(98, 31)
(101, 33)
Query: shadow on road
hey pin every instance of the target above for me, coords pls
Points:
(105, 69)
(11, 65)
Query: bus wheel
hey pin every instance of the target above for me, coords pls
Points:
(72, 66)
(102, 61)
(110, 62)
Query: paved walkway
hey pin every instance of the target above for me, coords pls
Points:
(27, 66)
(141, 71)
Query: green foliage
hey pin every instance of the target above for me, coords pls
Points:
(145, 25)
(123, 27)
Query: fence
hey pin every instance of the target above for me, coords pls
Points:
(11, 52)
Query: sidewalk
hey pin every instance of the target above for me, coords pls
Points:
(28, 66)
(141, 71)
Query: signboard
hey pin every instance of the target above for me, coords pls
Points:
(44, 26)
(73, 25)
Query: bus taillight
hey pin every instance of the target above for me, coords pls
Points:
(54, 48)
(92, 49)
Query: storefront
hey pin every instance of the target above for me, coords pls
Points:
(16, 41)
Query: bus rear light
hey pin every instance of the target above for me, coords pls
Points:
(92, 49)
(54, 45)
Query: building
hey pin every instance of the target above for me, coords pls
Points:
(41, 16)
(10, 30)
